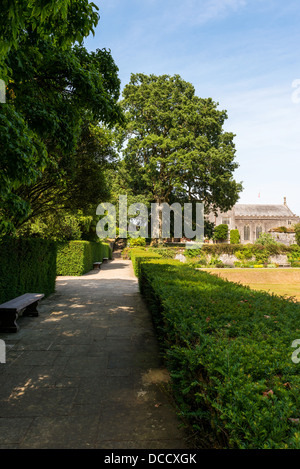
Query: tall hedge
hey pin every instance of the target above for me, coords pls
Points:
(77, 257)
(27, 266)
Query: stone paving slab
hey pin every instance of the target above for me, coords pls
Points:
(87, 373)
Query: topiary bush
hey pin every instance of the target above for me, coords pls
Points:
(221, 232)
(234, 237)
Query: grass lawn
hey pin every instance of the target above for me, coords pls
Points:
(283, 282)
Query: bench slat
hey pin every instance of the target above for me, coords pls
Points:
(22, 301)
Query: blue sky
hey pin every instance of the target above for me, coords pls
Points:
(244, 54)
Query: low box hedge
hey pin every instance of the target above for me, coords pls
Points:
(138, 255)
(27, 266)
(229, 352)
(77, 257)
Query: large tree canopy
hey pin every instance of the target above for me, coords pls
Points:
(175, 145)
(53, 92)
(65, 21)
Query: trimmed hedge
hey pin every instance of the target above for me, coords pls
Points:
(229, 352)
(77, 257)
(234, 236)
(27, 266)
(138, 255)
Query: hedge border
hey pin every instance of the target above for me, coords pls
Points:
(75, 258)
(231, 367)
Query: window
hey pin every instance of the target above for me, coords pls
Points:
(258, 231)
(246, 233)
(226, 221)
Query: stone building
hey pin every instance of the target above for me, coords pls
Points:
(253, 219)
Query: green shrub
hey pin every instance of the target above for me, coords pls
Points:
(27, 266)
(190, 253)
(244, 254)
(294, 256)
(234, 237)
(132, 242)
(77, 257)
(220, 232)
(266, 239)
(228, 350)
(297, 233)
(164, 252)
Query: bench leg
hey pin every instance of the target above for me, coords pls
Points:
(8, 321)
(31, 310)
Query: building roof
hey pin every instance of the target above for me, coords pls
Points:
(259, 210)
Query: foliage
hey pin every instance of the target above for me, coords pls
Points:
(266, 239)
(164, 252)
(208, 229)
(57, 226)
(138, 255)
(176, 148)
(132, 242)
(294, 256)
(22, 159)
(228, 350)
(224, 248)
(83, 183)
(192, 253)
(220, 232)
(27, 265)
(297, 231)
(244, 254)
(281, 229)
(234, 237)
(67, 20)
(56, 96)
(77, 257)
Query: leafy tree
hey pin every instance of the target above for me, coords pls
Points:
(56, 226)
(66, 21)
(80, 185)
(208, 229)
(175, 146)
(53, 93)
(22, 158)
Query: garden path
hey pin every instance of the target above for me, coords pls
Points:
(87, 372)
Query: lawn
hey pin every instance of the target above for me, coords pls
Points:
(283, 282)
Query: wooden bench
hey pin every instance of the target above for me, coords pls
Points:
(25, 305)
(97, 265)
(105, 259)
